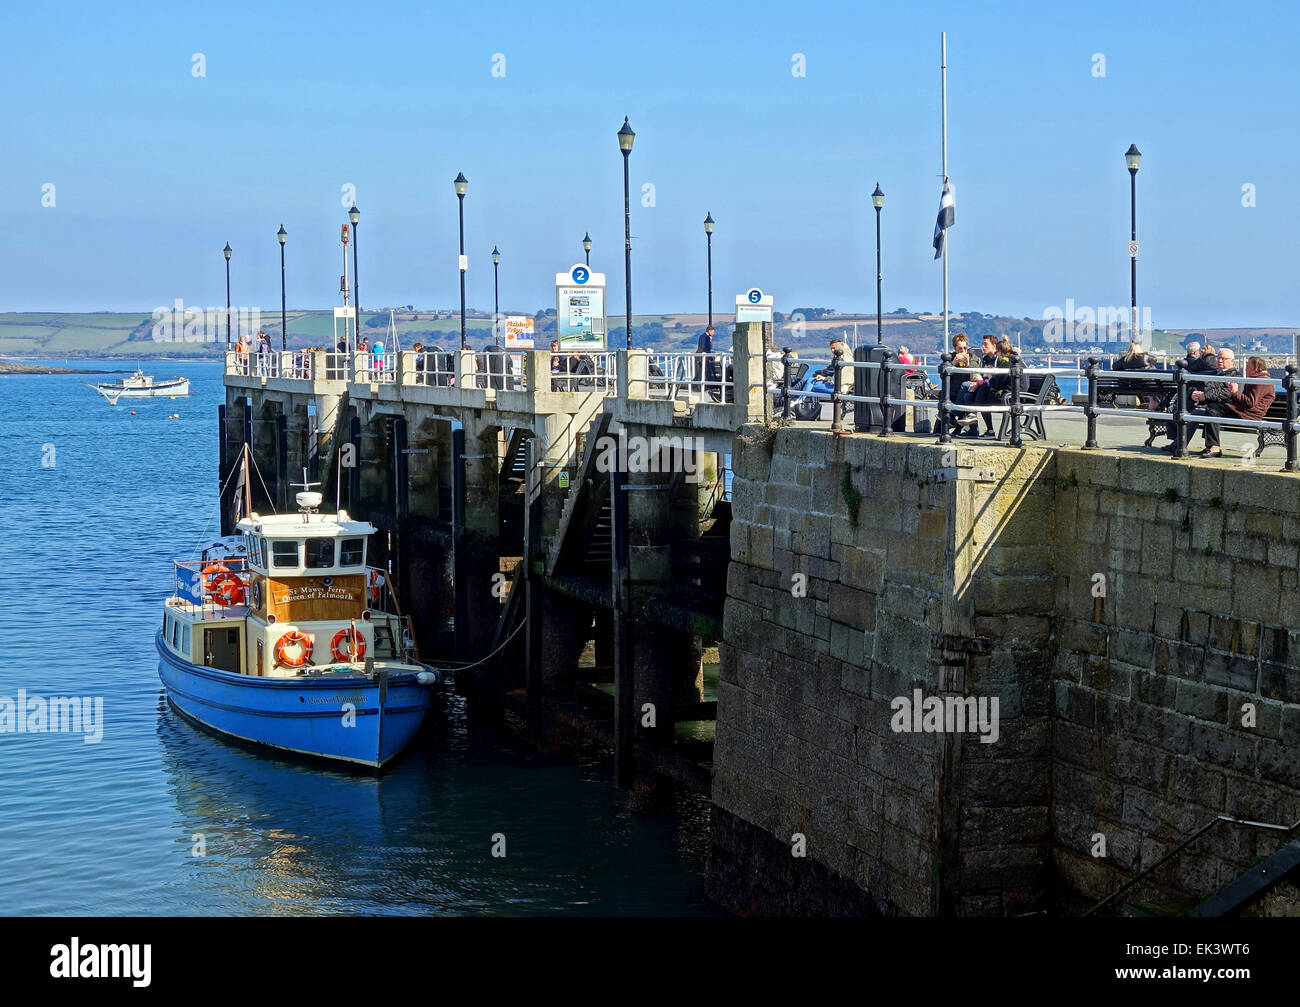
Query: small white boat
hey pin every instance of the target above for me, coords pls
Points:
(142, 386)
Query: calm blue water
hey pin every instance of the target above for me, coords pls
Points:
(85, 559)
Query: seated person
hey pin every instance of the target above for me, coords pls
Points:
(1136, 359)
(1248, 402)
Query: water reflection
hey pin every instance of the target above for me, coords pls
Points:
(291, 838)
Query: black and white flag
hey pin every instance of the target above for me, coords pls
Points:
(946, 207)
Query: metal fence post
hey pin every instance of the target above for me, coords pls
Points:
(1292, 406)
(882, 384)
(1180, 410)
(945, 435)
(837, 407)
(1016, 368)
(1091, 408)
(785, 382)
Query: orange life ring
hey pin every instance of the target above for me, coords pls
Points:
(211, 572)
(293, 638)
(227, 589)
(348, 634)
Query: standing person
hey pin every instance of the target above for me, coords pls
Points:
(241, 353)
(1250, 402)
(703, 351)
(378, 357)
(1193, 357)
(418, 350)
(559, 368)
(263, 354)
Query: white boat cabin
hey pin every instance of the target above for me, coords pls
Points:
(300, 600)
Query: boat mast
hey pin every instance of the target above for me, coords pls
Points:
(248, 486)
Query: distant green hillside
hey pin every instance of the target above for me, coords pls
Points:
(130, 335)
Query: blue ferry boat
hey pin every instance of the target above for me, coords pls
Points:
(278, 637)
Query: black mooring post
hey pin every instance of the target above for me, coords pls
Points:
(282, 462)
(460, 572)
(945, 434)
(354, 472)
(223, 468)
(624, 676)
(1292, 406)
(532, 586)
(1017, 374)
(882, 384)
(1091, 407)
(837, 407)
(1180, 410)
(785, 383)
(248, 426)
(401, 507)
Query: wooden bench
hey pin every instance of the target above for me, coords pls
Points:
(1110, 386)
(1039, 390)
(1265, 436)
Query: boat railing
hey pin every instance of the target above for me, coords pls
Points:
(217, 587)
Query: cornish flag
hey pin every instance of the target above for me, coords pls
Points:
(946, 206)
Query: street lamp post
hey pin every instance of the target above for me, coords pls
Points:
(708, 232)
(625, 138)
(496, 297)
(282, 234)
(226, 252)
(462, 184)
(1133, 158)
(586, 245)
(878, 200)
(354, 215)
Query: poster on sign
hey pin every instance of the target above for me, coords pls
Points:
(519, 332)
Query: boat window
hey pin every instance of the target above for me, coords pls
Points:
(185, 640)
(176, 633)
(320, 553)
(284, 553)
(352, 552)
(261, 552)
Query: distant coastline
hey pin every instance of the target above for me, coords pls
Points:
(129, 336)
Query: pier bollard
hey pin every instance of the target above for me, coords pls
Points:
(882, 391)
(945, 434)
(785, 382)
(1180, 410)
(837, 406)
(1091, 408)
(463, 368)
(1017, 376)
(1292, 406)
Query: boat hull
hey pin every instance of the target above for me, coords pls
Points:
(334, 717)
(164, 390)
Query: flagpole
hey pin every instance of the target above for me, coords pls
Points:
(943, 90)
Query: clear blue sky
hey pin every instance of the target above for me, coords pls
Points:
(156, 169)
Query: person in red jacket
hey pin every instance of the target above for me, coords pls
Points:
(1246, 402)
